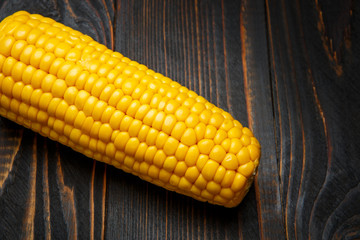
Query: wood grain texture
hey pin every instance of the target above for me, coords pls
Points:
(287, 69)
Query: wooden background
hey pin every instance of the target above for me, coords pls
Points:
(288, 69)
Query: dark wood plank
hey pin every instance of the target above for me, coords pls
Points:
(314, 65)
(257, 90)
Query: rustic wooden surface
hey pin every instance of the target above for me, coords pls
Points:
(290, 70)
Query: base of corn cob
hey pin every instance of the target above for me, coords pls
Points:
(66, 86)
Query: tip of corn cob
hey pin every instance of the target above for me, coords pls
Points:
(66, 86)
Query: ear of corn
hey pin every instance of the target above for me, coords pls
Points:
(66, 86)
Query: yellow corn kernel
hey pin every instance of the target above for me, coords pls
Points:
(6, 42)
(70, 95)
(17, 48)
(228, 178)
(138, 91)
(220, 173)
(192, 156)
(142, 111)
(174, 180)
(81, 80)
(143, 132)
(182, 113)
(220, 136)
(213, 187)
(200, 131)
(189, 102)
(79, 119)
(202, 160)
(206, 145)
(201, 182)
(120, 156)
(243, 156)
(171, 106)
(205, 194)
(37, 78)
(116, 119)
(61, 110)
(170, 146)
(26, 94)
(71, 114)
(68, 87)
(178, 130)
(220, 200)
(227, 125)
(210, 132)
(226, 145)
(8, 65)
(246, 169)
(189, 137)
(238, 183)
(150, 154)
(149, 117)
(95, 129)
(129, 162)
(216, 120)
(87, 125)
(34, 35)
(131, 146)
(73, 55)
(164, 175)
(227, 193)
(47, 82)
(35, 97)
(133, 108)
(146, 97)
(89, 82)
(140, 152)
(7, 86)
(235, 145)
(153, 172)
(192, 173)
(89, 105)
(17, 90)
(230, 161)
(245, 140)
(121, 140)
(58, 88)
(210, 169)
(180, 168)
(217, 153)
(255, 142)
(105, 132)
(181, 152)
(107, 92)
(100, 148)
(192, 120)
(17, 71)
(98, 110)
(151, 137)
(98, 87)
(170, 163)
(159, 158)
(158, 120)
(254, 152)
(184, 184)
(135, 127)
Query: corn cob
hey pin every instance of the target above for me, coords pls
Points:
(72, 89)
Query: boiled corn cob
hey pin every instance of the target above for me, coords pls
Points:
(72, 89)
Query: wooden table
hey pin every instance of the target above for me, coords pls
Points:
(290, 70)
